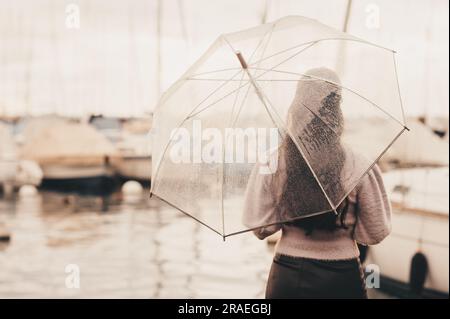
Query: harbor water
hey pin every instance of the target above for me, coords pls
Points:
(123, 247)
(127, 247)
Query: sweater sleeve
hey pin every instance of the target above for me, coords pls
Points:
(373, 210)
(259, 206)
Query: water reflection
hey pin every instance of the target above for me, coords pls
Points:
(125, 246)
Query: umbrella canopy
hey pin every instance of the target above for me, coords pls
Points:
(271, 111)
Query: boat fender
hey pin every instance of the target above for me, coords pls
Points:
(5, 236)
(27, 191)
(418, 273)
(132, 188)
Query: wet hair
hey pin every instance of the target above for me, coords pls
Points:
(319, 139)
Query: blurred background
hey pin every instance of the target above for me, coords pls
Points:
(78, 83)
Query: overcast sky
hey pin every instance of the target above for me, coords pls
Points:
(109, 64)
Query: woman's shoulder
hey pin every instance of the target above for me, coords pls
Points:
(355, 159)
(359, 166)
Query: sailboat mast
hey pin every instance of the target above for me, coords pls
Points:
(159, 11)
(59, 103)
(347, 15)
(183, 24)
(29, 64)
(265, 13)
(340, 63)
(132, 74)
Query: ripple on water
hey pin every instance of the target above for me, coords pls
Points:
(124, 248)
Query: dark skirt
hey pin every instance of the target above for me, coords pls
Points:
(295, 277)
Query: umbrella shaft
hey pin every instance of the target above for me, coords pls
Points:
(261, 97)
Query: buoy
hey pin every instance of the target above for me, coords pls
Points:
(418, 273)
(27, 191)
(132, 188)
(5, 236)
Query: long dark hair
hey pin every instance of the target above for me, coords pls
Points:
(319, 139)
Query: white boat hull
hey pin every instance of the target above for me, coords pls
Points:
(413, 232)
(94, 179)
(419, 224)
(135, 167)
(56, 171)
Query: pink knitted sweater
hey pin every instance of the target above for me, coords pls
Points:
(368, 201)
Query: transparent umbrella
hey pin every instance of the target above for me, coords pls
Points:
(268, 119)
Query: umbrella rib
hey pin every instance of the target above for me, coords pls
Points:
(262, 41)
(262, 97)
(277, 223)
(177, 127)
(240, 107)
(300, 149)
(206, 79)
(236, 98)
(234, 122)
(374, 162)
(307, 163)
(321, 40)
(317, 116)
(398, 88)
(231, 119)
(273, 109)
(248, 89)
(187, 214)
(231, 69)
(213, 92)
(262, 74)
(250, 58)
(285, 60)
(236, 80)
(253, 82)
(341, 86)
(282, 124)
(215, 71)
(308, 44)
(225, 139)
(223, 160)
(302, 44)
(217, 101)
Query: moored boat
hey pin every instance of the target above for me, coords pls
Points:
(130, 137)
(420, 228)
(14, 172)
(74, 157)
